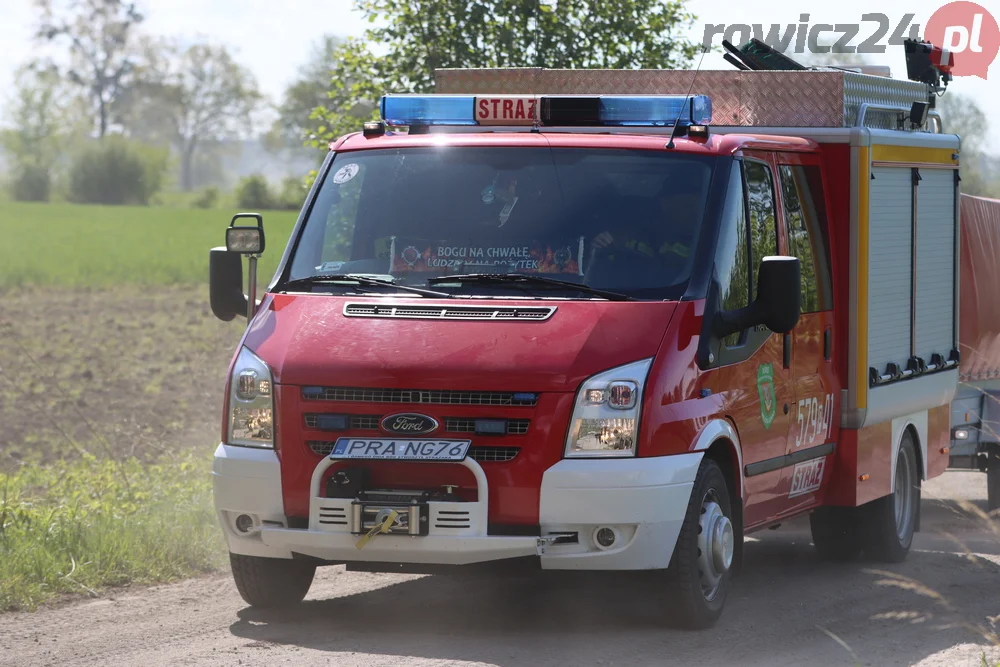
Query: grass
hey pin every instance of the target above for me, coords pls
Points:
(111, 376)
(71, 245)
(93, 523)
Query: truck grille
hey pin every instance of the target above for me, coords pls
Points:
(357, 422)
(480, 454)
(466, 425)
(451, 424)
(536, 314)
(419, 396)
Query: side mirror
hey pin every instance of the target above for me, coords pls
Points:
(777, 305)
(225, 284)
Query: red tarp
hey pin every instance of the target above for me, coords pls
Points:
(979, 289)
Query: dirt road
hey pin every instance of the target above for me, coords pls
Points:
(776, 615)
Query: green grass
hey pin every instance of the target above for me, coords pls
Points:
(103, 246)
(77, 527)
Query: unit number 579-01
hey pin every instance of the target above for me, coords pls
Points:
(815, 420)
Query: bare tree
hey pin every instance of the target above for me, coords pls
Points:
(192, 97)
(101, 36)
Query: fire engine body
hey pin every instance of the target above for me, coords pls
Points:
(741, 418)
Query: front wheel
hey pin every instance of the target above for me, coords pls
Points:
(887, 524)
(271, 582)
(700, 568)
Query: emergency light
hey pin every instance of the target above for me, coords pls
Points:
(547, 110)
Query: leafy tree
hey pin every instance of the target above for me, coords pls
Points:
(101, 36)
(962, 116)
(191, 98)
(308, 92)
(37, 119)
(418, 36)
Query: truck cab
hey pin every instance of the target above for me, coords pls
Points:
(573, 331)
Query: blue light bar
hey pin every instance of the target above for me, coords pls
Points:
(659, 110)
(555, 110)
(428, 109)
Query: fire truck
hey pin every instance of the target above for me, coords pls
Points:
(600, 320)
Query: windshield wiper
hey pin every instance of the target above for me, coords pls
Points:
(523, 279)
(361, 279)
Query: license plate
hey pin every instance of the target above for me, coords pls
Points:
(391, 449)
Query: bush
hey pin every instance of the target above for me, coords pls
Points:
(254, 193)
(209, 198)
(293, 194)
(31, 183)
(117, 171)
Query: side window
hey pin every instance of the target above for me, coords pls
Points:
(802, 194)
(734, 253)
(763, 222)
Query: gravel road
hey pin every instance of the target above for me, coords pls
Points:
(779, 613)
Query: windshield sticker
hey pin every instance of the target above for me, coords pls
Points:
(346, 173)
(422, 255)
(327, 267)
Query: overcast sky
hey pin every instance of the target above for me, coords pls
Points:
(273, 38)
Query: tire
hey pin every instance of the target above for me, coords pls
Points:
(888, 524)
(993, 478)
(271, 582)
(835, 533)
(697, 579)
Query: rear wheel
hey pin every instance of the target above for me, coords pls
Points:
(700, 568)
(887, 524)
(271, 582)
(835, 533)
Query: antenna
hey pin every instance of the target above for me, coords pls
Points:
(673, 130)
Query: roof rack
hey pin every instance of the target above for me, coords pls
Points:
(747, 98)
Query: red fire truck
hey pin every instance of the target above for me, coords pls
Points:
(598, 320)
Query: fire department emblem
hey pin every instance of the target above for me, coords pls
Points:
(765, 388)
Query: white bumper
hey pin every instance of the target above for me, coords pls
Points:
(642, 500)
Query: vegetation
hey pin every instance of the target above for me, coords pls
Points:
(80, 526)
(116, 171)
(414, 38)
(103, 246)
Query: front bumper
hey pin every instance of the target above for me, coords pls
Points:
(642, 500)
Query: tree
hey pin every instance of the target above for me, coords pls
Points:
(101, 36)
(308, 92)
(192, 98)
(419, 36)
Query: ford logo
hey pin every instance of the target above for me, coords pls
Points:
(409, 424)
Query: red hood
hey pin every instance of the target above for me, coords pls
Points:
(306, 340)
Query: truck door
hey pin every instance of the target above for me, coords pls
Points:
(808, 349)
(751, 368)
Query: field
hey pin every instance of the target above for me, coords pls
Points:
(111, 376)
(111, 246)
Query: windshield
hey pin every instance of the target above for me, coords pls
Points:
(621, 220)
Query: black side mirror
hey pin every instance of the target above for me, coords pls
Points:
(225, 281)
(778, 302)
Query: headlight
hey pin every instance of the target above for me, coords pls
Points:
(251, 404)
(606, 414)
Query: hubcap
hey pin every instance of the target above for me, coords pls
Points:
(715, 546)
(904, 494)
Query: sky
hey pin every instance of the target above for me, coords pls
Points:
(274, 38)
